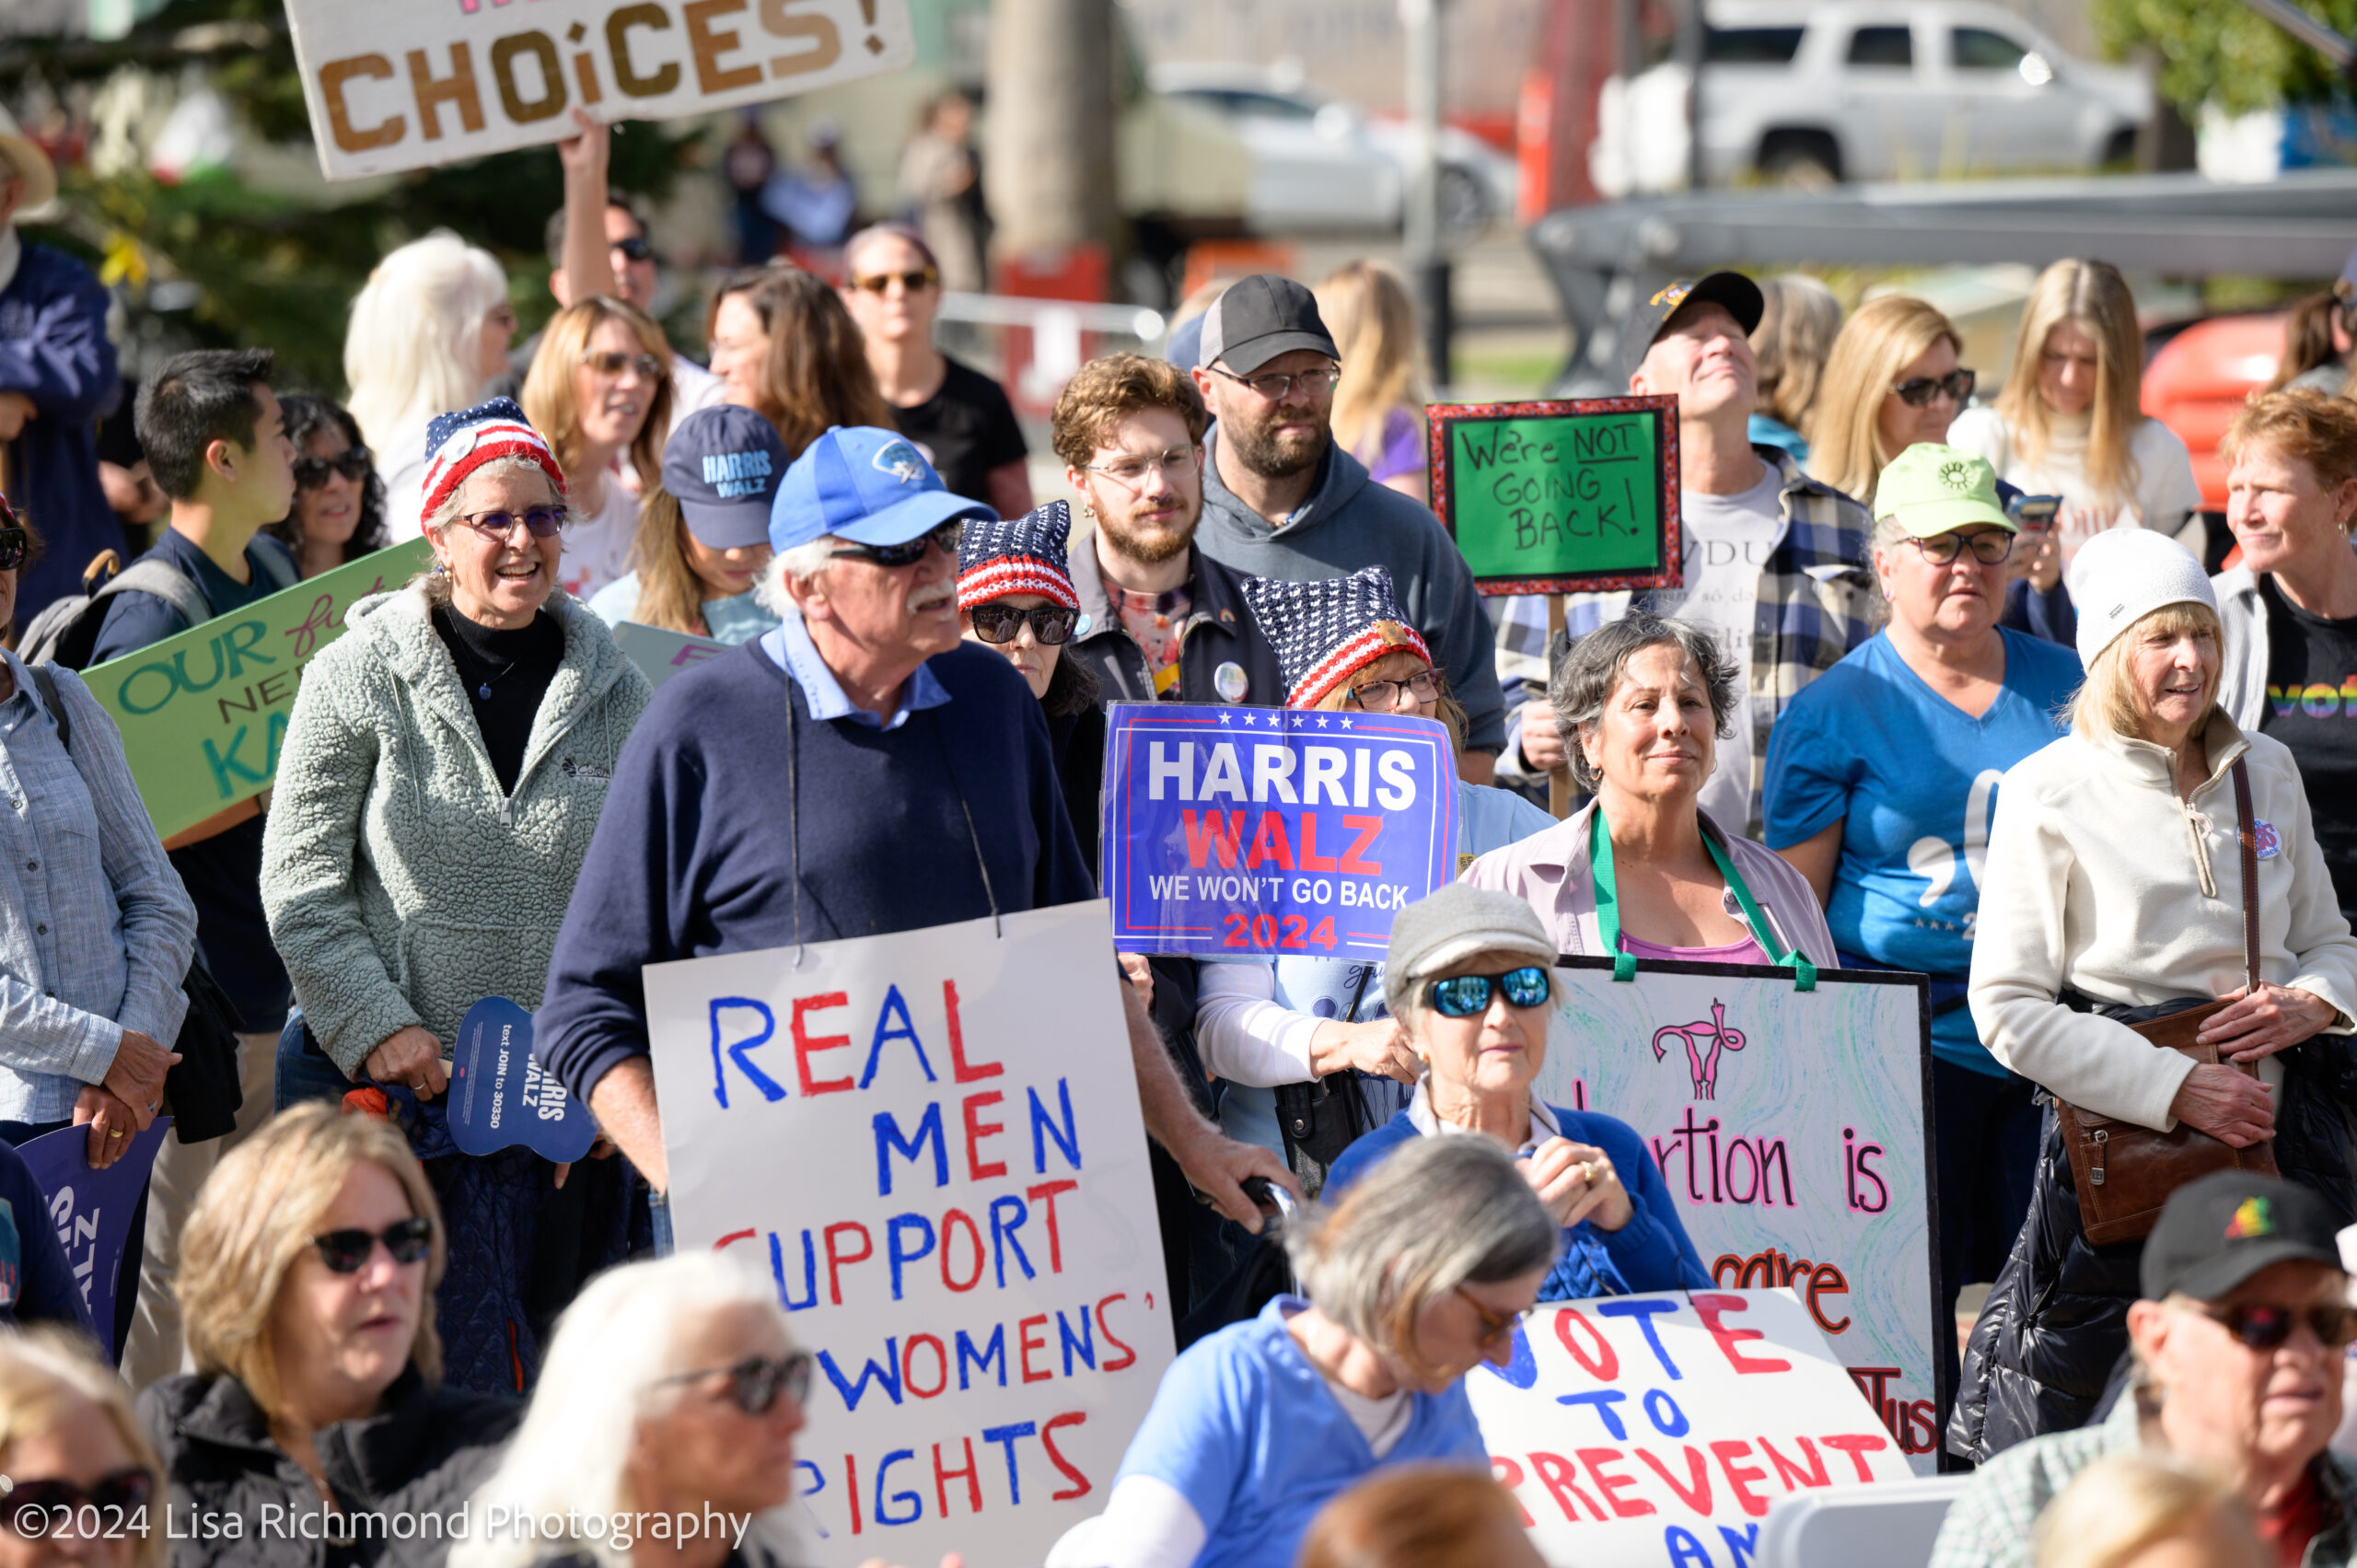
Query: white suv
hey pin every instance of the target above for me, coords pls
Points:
(1859, 90)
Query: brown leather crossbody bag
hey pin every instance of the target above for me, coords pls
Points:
(2124, 1172)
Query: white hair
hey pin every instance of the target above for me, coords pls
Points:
(411, 351)
(798, 564)
(437, 585)
(617, 1341)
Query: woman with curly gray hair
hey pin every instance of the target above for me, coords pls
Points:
(1642, 872)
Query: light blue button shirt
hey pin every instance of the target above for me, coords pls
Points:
(790, 648)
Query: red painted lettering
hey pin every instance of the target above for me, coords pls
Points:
(1129, 1356)
(1604, 1364)
(1046, 1194)
(1509, 1475)
(977, 1130)
(1028, 1344)
(835, 1261)
(974, 1235)
(1740, 1477)
(909, 1369)
(1612, 1484)
(1787, 1471)
(1711, 1309)
(1858, 1445)
(965, 1072)
(1695, 1492)
(1562, 1484)
(1079, 1487)
(970, 1475)
(804, 1045)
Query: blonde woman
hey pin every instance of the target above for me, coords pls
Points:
(600, 391)
(73, 1453)
(2068, 423)
(2147, 1511)
(429, 331)
(1379, 403)
(1796, 329)
(704, 531)
(307, 1274)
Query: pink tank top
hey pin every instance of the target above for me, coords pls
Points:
(1747, 951)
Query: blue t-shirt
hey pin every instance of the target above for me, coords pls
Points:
(1245, 1429)
(1913, 779)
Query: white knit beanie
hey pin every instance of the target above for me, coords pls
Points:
(2123, 575)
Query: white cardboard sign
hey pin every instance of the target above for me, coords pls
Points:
(931, 1141)
(407, 84)
(1654, 1431)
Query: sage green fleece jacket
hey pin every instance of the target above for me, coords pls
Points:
(401, 886)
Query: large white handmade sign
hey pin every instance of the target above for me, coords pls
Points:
(412, 82)
(1654, 1431)
(931, 1141)
(1790, 1126)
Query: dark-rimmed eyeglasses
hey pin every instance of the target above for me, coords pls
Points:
(1919, 391)
(1989, 547)
(634, 249)
(57, 1502)
(353, 462)
(1130, 471)
(541, 522)
(1495, 1327)
(613, 362)
(1463, 996)
(1382, 696)
(943, 538)
(1051, 624)
(2262, 1327)
(755, 1383)
(344, 1251)
(15, 545)
(881, 282)
(1276, 387)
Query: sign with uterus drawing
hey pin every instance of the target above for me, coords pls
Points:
(1790, 1126)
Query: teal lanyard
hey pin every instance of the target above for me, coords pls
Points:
(1607, 907)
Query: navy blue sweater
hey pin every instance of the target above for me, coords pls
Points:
(54, 348)
(694, 853)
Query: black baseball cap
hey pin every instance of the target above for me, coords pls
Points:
(1264, 316)
(1738, 295)
(724, 464)
(2215, 1233)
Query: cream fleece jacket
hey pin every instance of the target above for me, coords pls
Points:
(2098, 877)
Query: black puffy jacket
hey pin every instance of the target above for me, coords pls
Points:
(425, 1452)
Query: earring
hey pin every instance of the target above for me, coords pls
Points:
(1088, 510)
(439, 569)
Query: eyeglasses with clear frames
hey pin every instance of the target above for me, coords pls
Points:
(1382, 696)
(1130, 471)
(1276, 387)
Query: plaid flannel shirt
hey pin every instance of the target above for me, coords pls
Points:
(1989, 1526)
(1816, 603)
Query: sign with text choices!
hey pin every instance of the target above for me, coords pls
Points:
(1236, 831)
(1654, 1431)
(420, 82)
(930, 1143)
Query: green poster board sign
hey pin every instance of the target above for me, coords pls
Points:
(203, 714)
(1565, 496)
(661, 654)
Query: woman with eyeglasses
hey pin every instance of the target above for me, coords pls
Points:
(1421, 1274)
(600, 391)
(75, 1457)
(1883, 776)
(1308, 1053)
(339, 511)
(308, 1272)
(958, 417)
(1015, 594)
(1469, 977)
(672, 1387)
(443, 771)
(783, 346)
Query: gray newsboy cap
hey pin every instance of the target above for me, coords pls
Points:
(1433, 935)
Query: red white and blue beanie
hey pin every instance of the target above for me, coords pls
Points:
(1325, 633)
(458, 444)
(1016, 555)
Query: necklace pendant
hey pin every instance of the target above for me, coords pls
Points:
(482, 693)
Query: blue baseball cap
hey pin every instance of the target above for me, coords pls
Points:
(724, 465)
(866, 485)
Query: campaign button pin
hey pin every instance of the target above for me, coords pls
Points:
(2269, 842)
(1230, 681)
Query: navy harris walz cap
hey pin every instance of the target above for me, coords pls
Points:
(866, 485)
(724, 465)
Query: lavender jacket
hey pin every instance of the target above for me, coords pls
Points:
(1550, 870)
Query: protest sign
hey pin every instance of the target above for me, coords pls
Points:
(1564, 496)
(1654, 1431)
(501, 1098)
(1790, 1126)
(92, 1209)
(661, 654)
(203, 715)
(965, 1237)
(422, 82)
(1231, 830)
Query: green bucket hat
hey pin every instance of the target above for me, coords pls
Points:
(1930, 489)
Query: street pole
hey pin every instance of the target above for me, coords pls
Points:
(1428, 269)
(1691, 38)
(1049, 178)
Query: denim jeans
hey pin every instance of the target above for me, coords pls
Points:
(304, 1073)
(658, 1212)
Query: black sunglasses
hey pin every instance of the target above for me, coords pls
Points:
(755, 1382)
(57, 1502)
(15, 545)
(2334, 1324)
(634, 249)
(353, 462)
(1050, 623)
(1462, 995)
(344, 1251)
(943, 538)
(881, 282)
(1956, 385)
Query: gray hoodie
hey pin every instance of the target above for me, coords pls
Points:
(1348, 522)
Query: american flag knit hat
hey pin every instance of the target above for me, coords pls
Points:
(1325, 633)
(458, 444)
(1016, 555)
